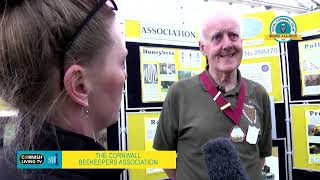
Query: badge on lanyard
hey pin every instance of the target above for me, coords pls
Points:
(252, 135)
(236, 135)
(250, 113)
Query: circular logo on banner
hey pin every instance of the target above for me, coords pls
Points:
(283, 28)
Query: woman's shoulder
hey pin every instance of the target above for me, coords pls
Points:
(7, 169)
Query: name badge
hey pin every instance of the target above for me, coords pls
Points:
(252, 135)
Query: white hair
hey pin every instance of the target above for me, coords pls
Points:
(209, 16)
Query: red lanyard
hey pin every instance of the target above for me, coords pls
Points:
(235, 113)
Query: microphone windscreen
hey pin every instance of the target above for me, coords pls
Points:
(223, 161)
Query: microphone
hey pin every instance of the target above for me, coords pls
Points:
(223, 161)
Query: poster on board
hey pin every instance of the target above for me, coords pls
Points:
(313, 134)
(258, 72)
(150, 131)
(141, 131)
(302, 139)
(161, 67)
(309, 59)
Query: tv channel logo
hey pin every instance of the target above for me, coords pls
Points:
(39, 159)
(31, 159)
(53, 160)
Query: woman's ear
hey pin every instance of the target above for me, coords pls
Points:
(76, 84)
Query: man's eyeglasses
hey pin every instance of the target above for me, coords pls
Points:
(94, 10)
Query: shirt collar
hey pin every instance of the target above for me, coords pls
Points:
(234, 91)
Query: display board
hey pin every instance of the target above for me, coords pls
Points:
(304, 68)
(303, 58)
(302, 61)
(153, 68)
(141, 131)
(261, 62)
(306, 136)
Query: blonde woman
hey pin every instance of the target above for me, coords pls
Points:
(62, 66)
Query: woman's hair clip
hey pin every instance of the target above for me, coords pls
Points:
(7, 4)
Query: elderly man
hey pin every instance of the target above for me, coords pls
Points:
(216, 103)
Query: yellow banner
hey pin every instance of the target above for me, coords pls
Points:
(308, 23)
(132, 29)
(163, 33)
(118, 159)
